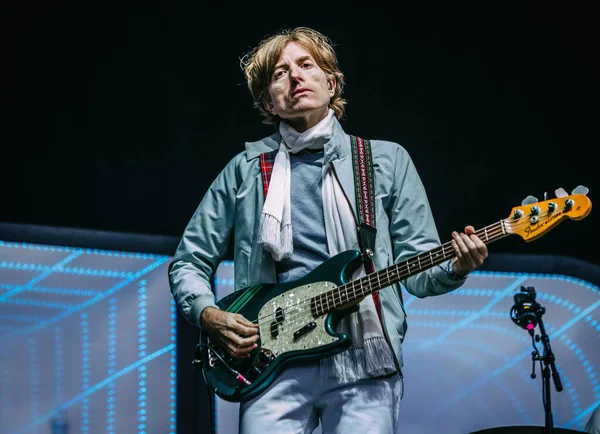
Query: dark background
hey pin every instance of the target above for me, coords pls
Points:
(125, 112)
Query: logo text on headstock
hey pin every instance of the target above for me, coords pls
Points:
(533, 230)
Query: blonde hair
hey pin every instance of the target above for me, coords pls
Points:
(259, 64)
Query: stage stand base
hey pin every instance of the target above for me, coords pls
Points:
(525, 430)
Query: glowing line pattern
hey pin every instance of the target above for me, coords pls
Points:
(33, 302)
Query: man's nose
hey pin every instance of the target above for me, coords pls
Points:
(296, 73)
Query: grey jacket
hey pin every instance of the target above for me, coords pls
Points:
(405, 228)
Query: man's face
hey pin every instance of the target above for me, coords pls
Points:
(300, 90)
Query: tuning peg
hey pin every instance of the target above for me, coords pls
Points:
(560, 192)
(529, 199)
(580, 189)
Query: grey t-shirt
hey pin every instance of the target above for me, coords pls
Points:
(308, 223)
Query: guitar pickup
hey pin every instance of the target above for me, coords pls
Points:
(274, 330)
(308, 327)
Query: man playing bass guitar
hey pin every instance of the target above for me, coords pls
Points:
(291, 213)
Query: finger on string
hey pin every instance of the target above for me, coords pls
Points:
(243, 321)
(456, 248)
(466, 249)
(469, 244)
(463, 243)
(457, 239)
(244, 330)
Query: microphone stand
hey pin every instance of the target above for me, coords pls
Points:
(549, 369)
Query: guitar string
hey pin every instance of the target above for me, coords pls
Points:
(357, 292)
(401, 268)
(447, 253)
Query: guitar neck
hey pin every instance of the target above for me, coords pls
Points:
(357, 289)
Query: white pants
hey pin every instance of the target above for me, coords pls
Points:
(300, 397)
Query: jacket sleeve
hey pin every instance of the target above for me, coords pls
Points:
(413, 230)
(203, 245)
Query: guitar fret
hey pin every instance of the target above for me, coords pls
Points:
(356, 289)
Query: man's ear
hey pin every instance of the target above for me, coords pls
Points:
(331, 82)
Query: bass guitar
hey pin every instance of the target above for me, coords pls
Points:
(297, 320)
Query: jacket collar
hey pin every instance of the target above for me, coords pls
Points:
(336, 148)
(337, 151)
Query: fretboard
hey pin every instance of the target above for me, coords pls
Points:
(357, 289)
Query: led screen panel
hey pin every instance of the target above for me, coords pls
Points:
(87, 341)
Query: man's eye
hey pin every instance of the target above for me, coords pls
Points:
(307, 65)
(279, 73)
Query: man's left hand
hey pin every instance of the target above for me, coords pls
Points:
(470, 251)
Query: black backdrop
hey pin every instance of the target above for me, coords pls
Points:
(125, 112)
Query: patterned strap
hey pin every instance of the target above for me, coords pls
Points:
(363, 180)
(266, 168)
(365, 202)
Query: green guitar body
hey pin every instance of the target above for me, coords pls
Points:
(289, 330)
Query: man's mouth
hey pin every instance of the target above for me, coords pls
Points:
(300, 91)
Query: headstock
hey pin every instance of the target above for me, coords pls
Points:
(533, 219)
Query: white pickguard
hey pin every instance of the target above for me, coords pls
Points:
(295, 304)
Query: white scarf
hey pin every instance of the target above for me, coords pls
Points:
(369, 355)
(276, 219)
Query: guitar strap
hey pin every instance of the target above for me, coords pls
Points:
(362, 164)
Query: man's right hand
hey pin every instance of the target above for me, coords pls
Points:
(234, 333)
